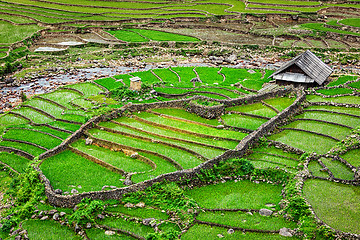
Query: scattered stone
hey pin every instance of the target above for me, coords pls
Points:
(100, 216)
(44, 218)
(129, 205)
(62, 214)
(285, 232)
(88, 141)
(56, 217)
(79, 186)
(8, 105)
(251, 71)
(23, 232)
(134, 155)
(18, 237)
(270, 205)
(265, 212)
(109, 233)
(33, 216)
(58, 191)
(220, 235)
(66, 193)
(77, 228)
(88, 225)
(113, 187)
(140, 204)
(74, 191)
(148, 221)
(230, 231)
(52, 212)
(220, 126)
(128, 182)
(104, 187)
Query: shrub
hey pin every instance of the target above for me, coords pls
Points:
(87, 210)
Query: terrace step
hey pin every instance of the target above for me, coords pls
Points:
(235, 228)
(268, 105)
(52, 102)
(118, 230)
(334, 112)
(28, 143)
(248, 114)
(117, 146)
(153, 140)
(167, 137)
(320, 134)
(182, 130)
(35, 130)
(323, 121)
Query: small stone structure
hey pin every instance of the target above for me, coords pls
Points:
(135, 84)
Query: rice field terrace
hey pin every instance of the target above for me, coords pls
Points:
(123, 164)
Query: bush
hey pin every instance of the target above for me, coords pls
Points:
(87, 210)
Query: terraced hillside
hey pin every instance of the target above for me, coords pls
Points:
(161, 169)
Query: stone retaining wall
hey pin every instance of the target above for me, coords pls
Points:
(72, 200)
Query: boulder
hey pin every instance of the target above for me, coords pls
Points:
(44, 218)
(74, 191)
(56, 217)
(140, 204)
(128, 182)
(148, 221)
(88, 141)
(285, 232)
(230, 231)
(129, 205)
(109, 233)
(58, 191)
(265, 212)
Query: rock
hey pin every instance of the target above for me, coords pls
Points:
(220, 235)
(7, 105)
(74, 191)
(128, 182)
(44, 218)
(58, 191)
(134, 155)
(195, 80)
(56, 217)
(66, 193)
(251, 71)
(220, 126)
(52, 212)
(230, 231)
(23, 232)
(270, 205)
(62, 214)
(18, 237)
(129, 205)
(79, 186)
(148, 221)
(140, 204)
(100, 216)
(104, 187)
(88, 225)
(285, 232)
(232, 58)
(88, 141)
(77, 228)
(113, 187)
(109, 233)
(265, 212)
(33, 216)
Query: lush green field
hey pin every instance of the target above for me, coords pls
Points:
(336, 204)
(50, 230)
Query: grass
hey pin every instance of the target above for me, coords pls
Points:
(63, 97)
(315, 169)
(341, 80)
(277, 151)
(185, 159)
(164, 36)
(146, 77)
(352, 157)
(280, 103)
(332, 117)
(87, 88)
(209, 75)
(33, 137)
(54, 132)
(233, 195)
(12, 33)
(245, 220)
(191, 127)
(186, 74)
(109, 83)
(205, 151)
(15, 161)
(354, 22)
(320, 27)
(46, 106)
(338, 169)
(99, 234)
(67, 170)
(275, 159)
(35, 116)
(319, 127)
(128, 36)
(355, 111)
(335, 91)
(181, 113)
(334, 203)
(199, 231)
(35, 151)
(166, 75)
(117, 159)
(64, 125)
(355, 85)
(131, 226)
(237, 120)
(8, 120)
(49, 230)
(138, 212)
(255, 108)
(304, 141)
(343, 99)
(170, 133)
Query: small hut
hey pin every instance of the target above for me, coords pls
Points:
(305, 70)
(135, 84)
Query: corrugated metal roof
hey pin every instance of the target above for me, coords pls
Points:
(293, 77)
(316, 69)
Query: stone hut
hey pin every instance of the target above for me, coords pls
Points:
(306, 70)
(135, 84)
